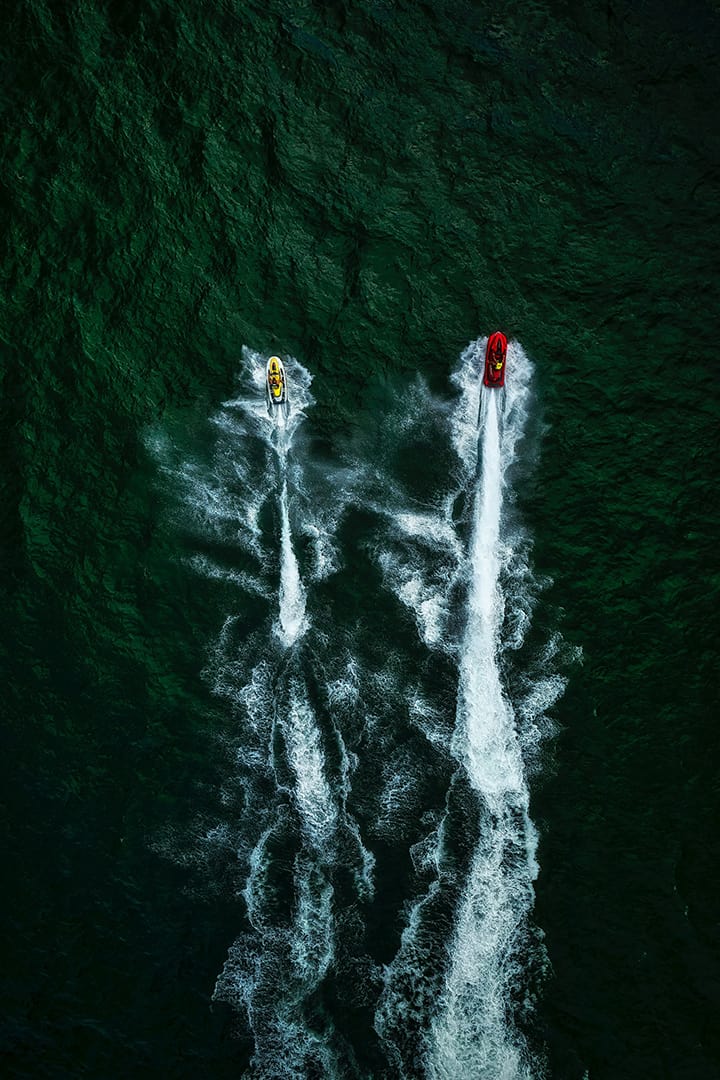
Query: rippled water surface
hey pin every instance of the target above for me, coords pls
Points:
(379, 741)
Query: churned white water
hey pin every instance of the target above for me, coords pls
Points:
(310, 714)
(468, 1013)
(291, 614)
(248, 507)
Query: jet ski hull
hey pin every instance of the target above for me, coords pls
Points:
(495, 360)
(276, 391)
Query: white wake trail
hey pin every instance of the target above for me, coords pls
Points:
(260, 520)
(291, 615)
(485, 736)
(268, 498)
(473, 1035)
(471, 1029)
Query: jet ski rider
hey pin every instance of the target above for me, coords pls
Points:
(498, 356)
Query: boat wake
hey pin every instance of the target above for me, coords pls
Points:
(482, 854)
(256, 504)
(407, 719)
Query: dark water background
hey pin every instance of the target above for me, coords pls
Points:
(367, 187)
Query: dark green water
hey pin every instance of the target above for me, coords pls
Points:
(367, 188)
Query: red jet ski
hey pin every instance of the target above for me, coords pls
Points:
(495, 357)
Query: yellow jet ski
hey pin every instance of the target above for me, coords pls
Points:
(276, 387)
